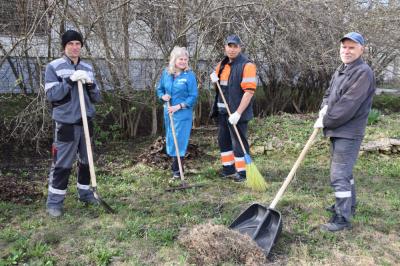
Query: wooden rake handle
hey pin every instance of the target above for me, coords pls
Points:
(87, 135)
(229, 113)
(171, 119)
(294, 168)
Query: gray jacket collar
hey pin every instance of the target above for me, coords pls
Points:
(346, 69)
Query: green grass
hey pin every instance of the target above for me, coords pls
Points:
(148, 220)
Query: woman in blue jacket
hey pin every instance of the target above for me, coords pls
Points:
(178, 86)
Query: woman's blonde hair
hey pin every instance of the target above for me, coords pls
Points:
(176, 52)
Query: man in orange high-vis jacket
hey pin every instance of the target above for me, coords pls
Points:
(237, 77)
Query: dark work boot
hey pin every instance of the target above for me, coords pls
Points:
(240, 177)
(54, 212)
(54, 204)
(336, 223)
(87, 196)
(228, 171)
(176, 175)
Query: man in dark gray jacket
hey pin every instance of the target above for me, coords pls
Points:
(61, 90)
(343, 117)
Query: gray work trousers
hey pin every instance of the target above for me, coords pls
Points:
(344, 153)
(69, 144)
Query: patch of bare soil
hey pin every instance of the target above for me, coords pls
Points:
(156, 155)
(210, 244)
(19, 190)
(22, 175)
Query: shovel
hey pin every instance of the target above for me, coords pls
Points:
(89, 150)
(184, 184)
(263, 224)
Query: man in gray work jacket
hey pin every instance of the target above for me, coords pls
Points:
(343, 117)
(61, 90)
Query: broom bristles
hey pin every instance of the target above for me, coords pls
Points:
(254, 179)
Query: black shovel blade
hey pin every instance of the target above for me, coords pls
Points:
(102, 202)
(262, 224)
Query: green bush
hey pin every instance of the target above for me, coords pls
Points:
(387, 103)
(373, 116)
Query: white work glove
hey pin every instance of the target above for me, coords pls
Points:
(323, 111)
(214, 77)
(80, 75)
(319, 123)
(234, 118)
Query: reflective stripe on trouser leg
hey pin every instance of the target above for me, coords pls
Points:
(225, 145)
(228, 163)
(240, 166)
(227, 158)
(65, 144)
(344, 154)
(237, 148)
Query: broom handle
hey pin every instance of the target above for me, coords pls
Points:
(171, 119)
(229, 113)
(87, 135)
(294, 168)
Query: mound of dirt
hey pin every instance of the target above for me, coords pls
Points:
(210, 244)
(156, 155)
(19, 190)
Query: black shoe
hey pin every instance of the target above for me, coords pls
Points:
(332, 209)
(175, 177)
(227, 174)
(239, 178)
(336, 223)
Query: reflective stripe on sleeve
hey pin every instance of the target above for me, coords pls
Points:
(50, 85)
(249, 79)
(65, 72)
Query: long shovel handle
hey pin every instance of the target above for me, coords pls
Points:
(287, 181)
(87, 135)
(229, 113)
(294, 168)
(171, 119)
